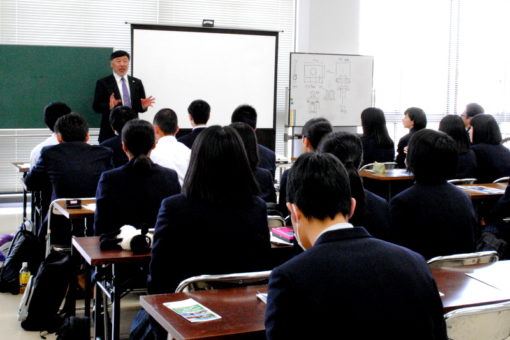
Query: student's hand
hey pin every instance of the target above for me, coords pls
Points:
(114, 102)
(146, 102)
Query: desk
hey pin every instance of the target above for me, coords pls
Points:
(105, 263)
(477, 195)
(84, 211)
(243, 314)
(389, 179)
(24, 168)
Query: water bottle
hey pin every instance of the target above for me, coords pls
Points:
(24, 276)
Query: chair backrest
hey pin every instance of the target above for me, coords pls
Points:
(275, 221)
(502, 180)
(489, 322)
(481, 257)
(462, 180)
(387, 165)
(506, 142)
(206, 282)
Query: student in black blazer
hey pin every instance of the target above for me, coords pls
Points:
(377, 144)
(493, 159)
(433, 217)
(132, 193)
(414, 120)
(263, 176)
(372, 212)
(119, 116)
(72, 167)
(346, 284)
(453, 126)
(109, 93)
(199, 113)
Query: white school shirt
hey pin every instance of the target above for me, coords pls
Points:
(36, 152)
(337, 226)
(172, 154)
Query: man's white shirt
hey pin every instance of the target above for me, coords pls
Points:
(172, 154)
(36, 152)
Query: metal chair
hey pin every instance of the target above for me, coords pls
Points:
(208, 282)
(502, 180)
(462, 181)
(275, 221)
(489, 322)
(387, 165)
(456, 260)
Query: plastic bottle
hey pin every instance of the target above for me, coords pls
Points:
(24, 276)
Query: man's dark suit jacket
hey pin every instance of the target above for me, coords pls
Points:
(190, 137)
(267, 159)
(104, 88)
(433, 220)
(493, 162)
(119, 156)
(266, 184)
(350, 285)
(72, 168)
(125, 196)
(194, 238)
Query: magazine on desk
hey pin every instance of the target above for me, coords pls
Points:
(192, 310)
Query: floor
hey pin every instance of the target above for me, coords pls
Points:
(10, 218)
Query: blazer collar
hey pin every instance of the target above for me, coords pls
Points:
(342, 234)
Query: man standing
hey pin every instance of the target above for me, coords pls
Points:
(347, 284)
(118, 89)
(472, 109)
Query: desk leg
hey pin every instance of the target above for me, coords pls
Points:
(98, 310)
(115, 296)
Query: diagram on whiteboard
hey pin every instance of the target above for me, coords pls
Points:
(337, 87)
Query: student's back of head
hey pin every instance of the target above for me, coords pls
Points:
(219, 172)
(199, 110)
(453, 126)
(119, 116)
(245, 114)
(138, 138)
(315, 129)
(318, 185)
(166, 121)
(485, 129)
(374, 126)
(72, 128)
(249, 139)
(432, 156)
(53, 111)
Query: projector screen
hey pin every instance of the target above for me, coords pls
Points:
(224, 67)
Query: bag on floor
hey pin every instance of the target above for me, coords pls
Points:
(74, 328)
(24, 248)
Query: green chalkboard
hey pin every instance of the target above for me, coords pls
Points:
(33, 76)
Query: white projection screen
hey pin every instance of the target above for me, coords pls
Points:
(225, 67)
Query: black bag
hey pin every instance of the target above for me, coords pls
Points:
(46, 293)
(24, 248)
(74, 328)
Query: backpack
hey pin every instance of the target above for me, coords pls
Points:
(24, 248)
(39, 309)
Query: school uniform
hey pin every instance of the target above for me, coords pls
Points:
(376, 216)
(119, 156)
(189, 139)
(267, 158)
(353, 286)
(466, 165)
(493, 162)
(282, 198)
(401, 155)
(373, 152)
(266, 184)
(173, 155)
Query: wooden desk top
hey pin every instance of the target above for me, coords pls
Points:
(22, 166)
(77, 213)
(88, 247)
(389, 175)
(474, 194)
(240, 310)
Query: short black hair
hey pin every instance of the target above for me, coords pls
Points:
(246, 114)
(119, 53)
(474, 109)
(219, 173)
(249, 139)
(374, 126)
(432, 156)
(454, 127)
(199, 110)
(319, 185)
(315, 129)
(486, 130)
(53, 111)
(418, 117)
(166, 120)
(119, 116)
(72, 127)
(138, 137)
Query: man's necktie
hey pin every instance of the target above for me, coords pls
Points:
(125, 93)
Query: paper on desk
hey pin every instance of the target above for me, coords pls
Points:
(192, 311)
(483, 190)
(277, 241)
(492, 277)
(90, 206)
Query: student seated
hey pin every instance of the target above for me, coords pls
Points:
(346, 284)
(72, 167)
(247, 114)
(168, 151)
(52, 112)
(199, 113)
(414, 120)
(119, 116)
(453, 126)
(263, 176)
(372, 211)
(377, 144)
(493, 158)
(433, 217)
(132, 193)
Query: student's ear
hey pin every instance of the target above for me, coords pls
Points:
(59, 138)
(295, 213)
(124, 148)
(157, 131)
(87, 137)
(307, 146)
(177, 130)
(353, 208)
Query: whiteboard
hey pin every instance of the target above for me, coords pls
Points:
(226, 68)
(334, 86)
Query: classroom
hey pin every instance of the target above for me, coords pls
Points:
(409, 58)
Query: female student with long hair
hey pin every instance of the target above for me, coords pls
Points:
(377, 144)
